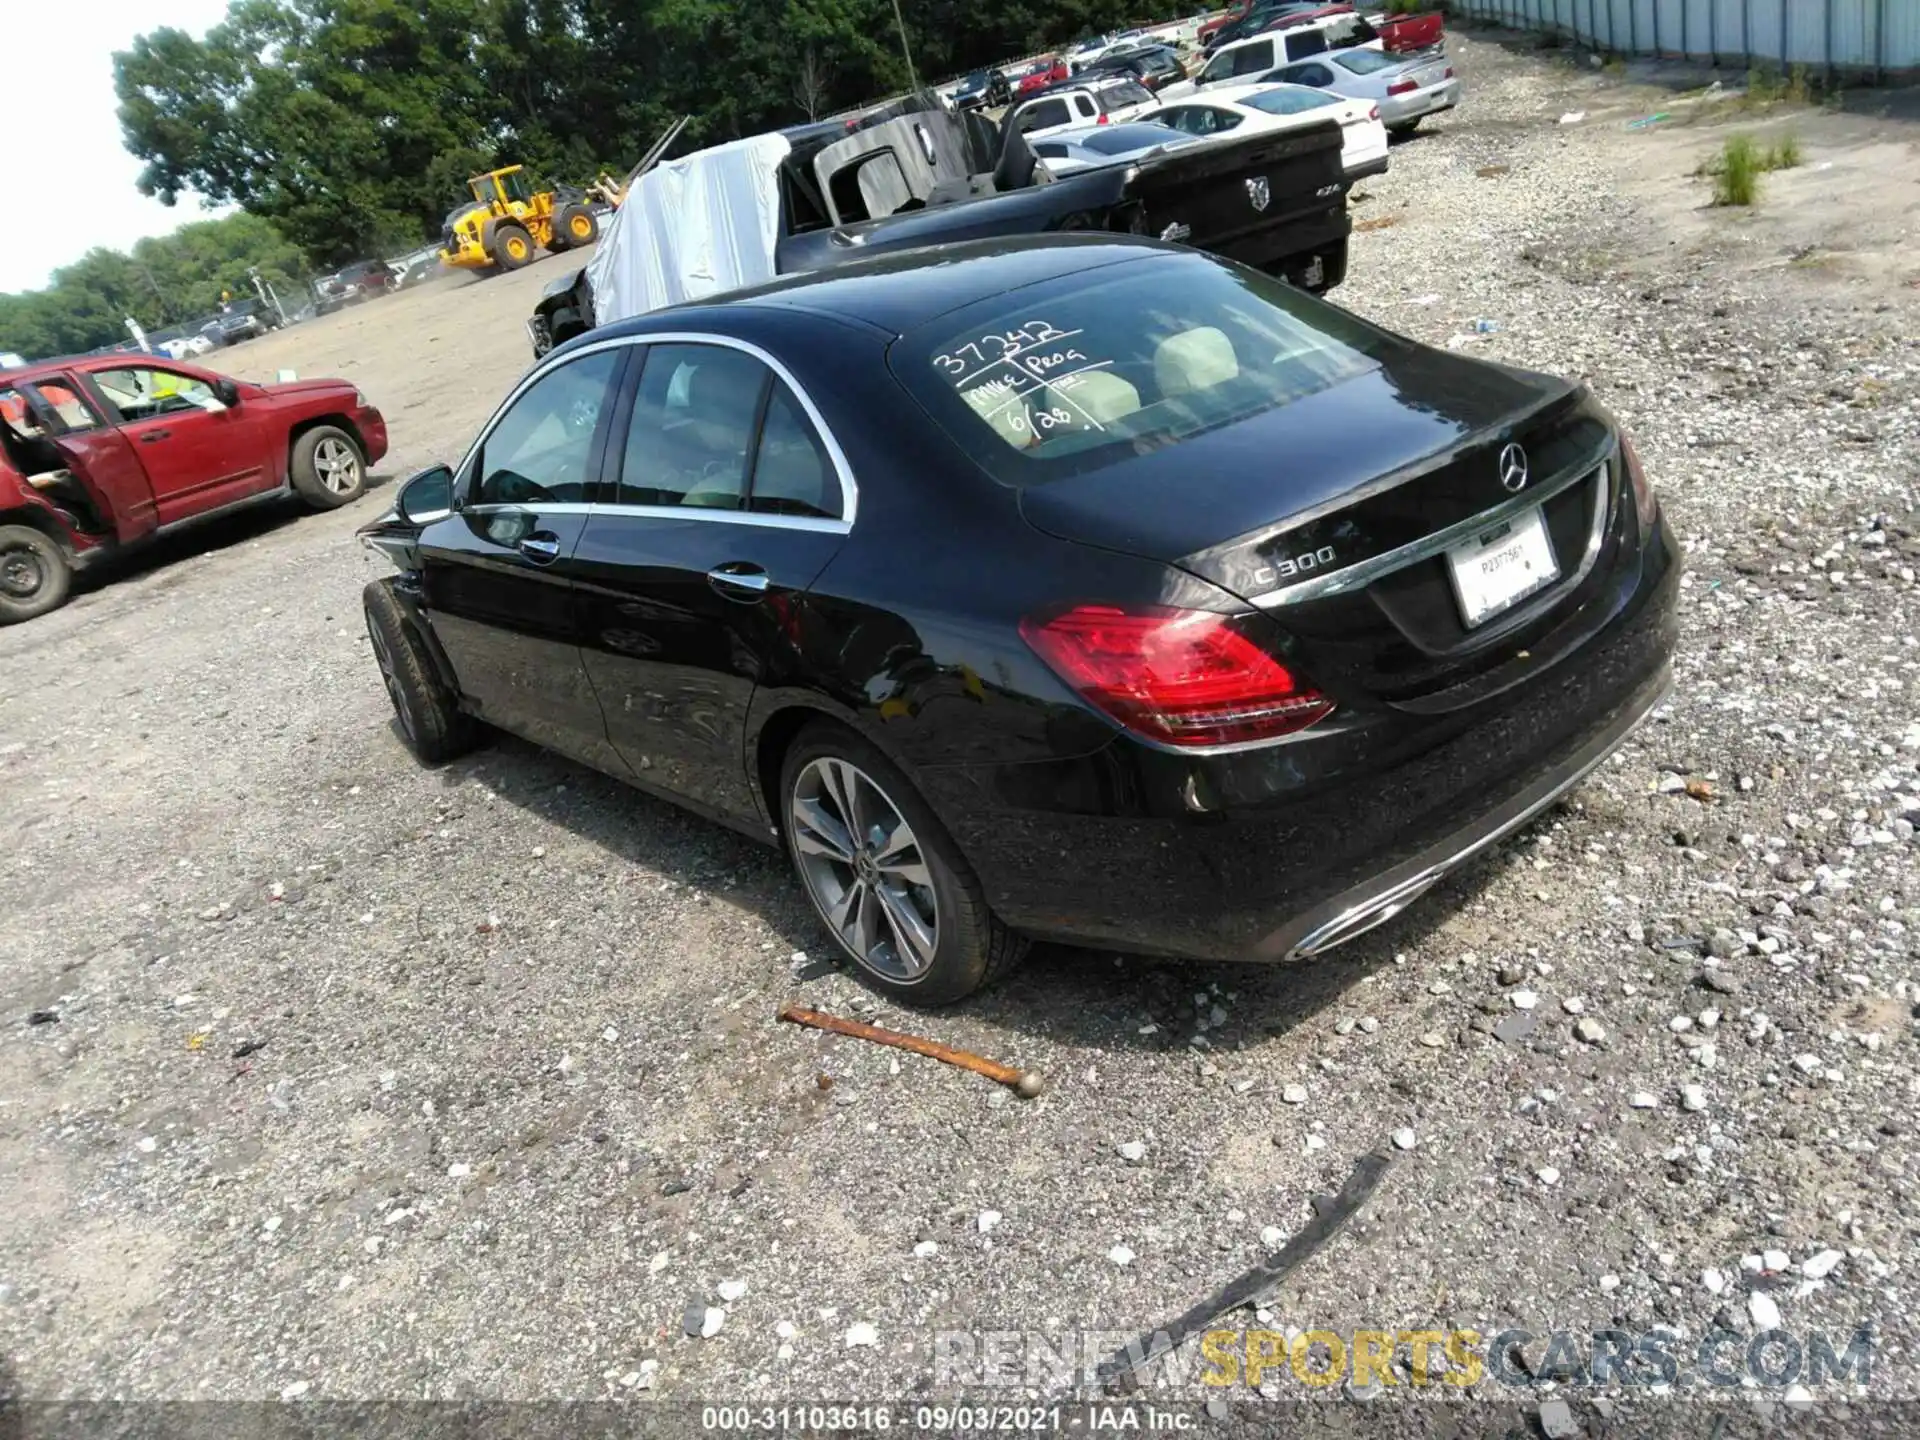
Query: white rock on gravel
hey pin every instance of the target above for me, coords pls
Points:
(1821, 1265)
(731, 1290)
(1693, 1097)
(1120, 1255)
(1294, 1094)
(926, 1250)
(1548, 1175)
(1523, 999)
(862, 1335)
(1133, 1152)
(987, 1220)
(1556, 1420)
(1404, 1138)
(1765, 1313)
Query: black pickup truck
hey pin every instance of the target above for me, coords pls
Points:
(1275, 201)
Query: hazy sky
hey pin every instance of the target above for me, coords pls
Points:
(59, 73)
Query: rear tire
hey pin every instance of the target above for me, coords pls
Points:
(574, 226)
(35, 574)
(328, 468)
(1406, 128)
(431, 720)
(512, 245)
(924, 944)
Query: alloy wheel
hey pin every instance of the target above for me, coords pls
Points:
(864, 868)
(337, 465)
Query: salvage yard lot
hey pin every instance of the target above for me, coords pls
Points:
(515, 1095)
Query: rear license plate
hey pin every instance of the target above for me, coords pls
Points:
(1502, 566)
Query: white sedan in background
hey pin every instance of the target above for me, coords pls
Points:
(1090, 146)
(1407, 88)
(1251, 109)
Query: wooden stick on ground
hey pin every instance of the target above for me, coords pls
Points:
(1024, 1083)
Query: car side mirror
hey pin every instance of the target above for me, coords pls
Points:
(426, 497)
(226, 392)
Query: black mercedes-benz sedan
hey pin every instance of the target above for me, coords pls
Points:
(1081, 588)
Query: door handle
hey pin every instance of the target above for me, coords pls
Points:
(541, 548)
(738, 581)
(153, 437)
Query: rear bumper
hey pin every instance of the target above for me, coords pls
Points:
(1377, 900)
(1401, 109)
(1286, 850)
(1375, 166)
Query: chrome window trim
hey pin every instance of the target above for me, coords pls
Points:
(668, 512)
(1362, 574)
(843, 471)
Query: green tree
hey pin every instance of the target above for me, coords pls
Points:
(173, 280)
(352, 124)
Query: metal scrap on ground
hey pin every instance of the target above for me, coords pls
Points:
(1120, 1371)
(1024, 1083)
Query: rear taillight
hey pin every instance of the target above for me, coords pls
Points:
(1449, 74)
(1183, 677)
(1401, 87)
(1373, 112)
(1645, 503)
(1102, 120)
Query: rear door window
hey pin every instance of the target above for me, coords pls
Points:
(791, 472)
(1118, 97)
(1252, 59)
(692, 429)
(1301, 43)
(1045, 114)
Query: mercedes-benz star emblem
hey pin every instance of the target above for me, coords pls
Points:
(1258, 192)
(1513, 468)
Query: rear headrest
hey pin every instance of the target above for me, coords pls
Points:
(1098, 396)
(1194, 360)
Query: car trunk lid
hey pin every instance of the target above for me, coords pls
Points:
(1336, 514)
(1241, 197)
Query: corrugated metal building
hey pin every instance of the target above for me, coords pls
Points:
(1879, 38)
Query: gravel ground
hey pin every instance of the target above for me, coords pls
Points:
(513, 1098)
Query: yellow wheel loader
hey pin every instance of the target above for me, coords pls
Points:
(507, 219)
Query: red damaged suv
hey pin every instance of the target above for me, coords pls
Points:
(100, 453)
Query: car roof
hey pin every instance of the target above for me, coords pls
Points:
(896, 293)
(1236, 94)
(1148, 131)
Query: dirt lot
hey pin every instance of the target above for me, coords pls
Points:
(517, 1098)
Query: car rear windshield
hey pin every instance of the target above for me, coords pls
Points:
(1364, 62)
(1125, 139)
(1293, 100)
(1127, 92)
(1081, 372)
